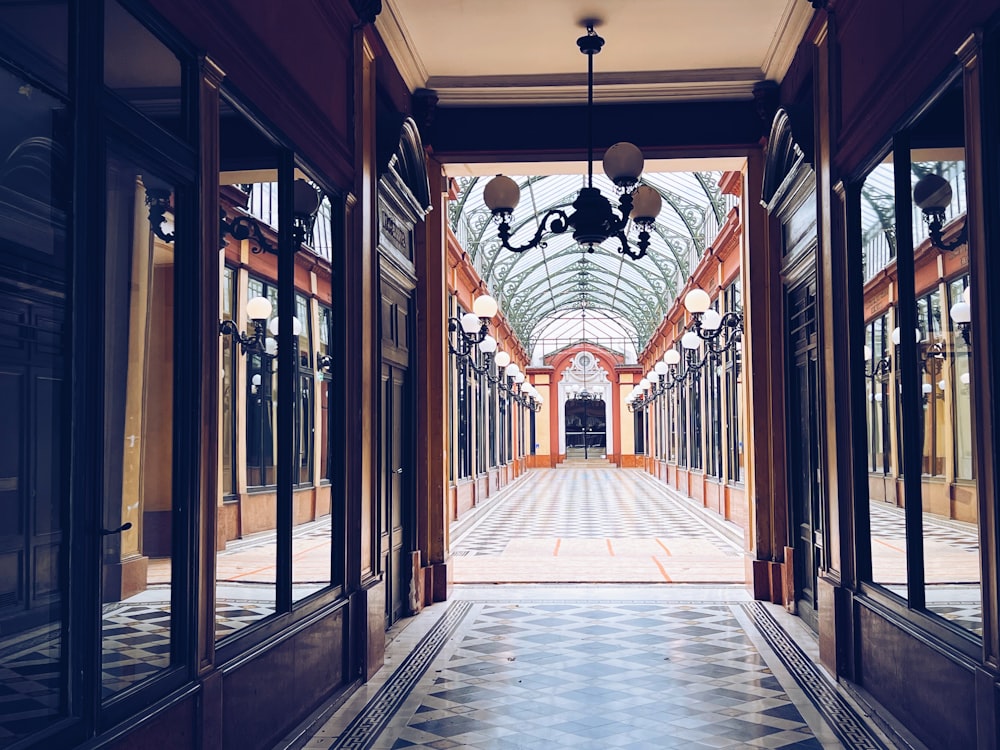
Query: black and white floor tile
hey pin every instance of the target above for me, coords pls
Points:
(593, 667)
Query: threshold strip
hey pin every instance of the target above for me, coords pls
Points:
(362, 732)
(850, 729)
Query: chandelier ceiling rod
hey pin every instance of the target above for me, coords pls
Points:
(593, 218)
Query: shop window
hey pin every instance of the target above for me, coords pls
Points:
(733, 387)
(227, 436)
(142, 70)
(924, 526)
(35, 399)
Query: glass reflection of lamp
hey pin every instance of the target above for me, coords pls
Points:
(305, 201)
(933, 194)
(258, 311)
(158, 201)
(961, 315)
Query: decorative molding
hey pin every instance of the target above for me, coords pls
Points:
(396, 38)
(791, 29)
(717, 84)
(367, 10)
(784, 157)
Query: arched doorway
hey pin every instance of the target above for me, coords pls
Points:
(586, 414)
(586, 428)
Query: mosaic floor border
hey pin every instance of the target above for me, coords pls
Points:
(714, 690)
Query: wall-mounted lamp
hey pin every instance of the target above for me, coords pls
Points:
(305, 202)
(719, 332)
(258, 311)
(306, 199)
(932, 194)
(472, 329)
(158, 202)
(324, 362)
(961, 315)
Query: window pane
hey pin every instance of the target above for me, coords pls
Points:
(34, 36)
(34, 402)
(140, 69)
(246, 554)
(139, 508)
(227, 436)
(888, 527)
(948, 501)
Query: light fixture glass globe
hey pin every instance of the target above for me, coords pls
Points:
(270, 346)
(502, 359)
(965, 378)
(519, 378)
(926, 388)
(961, 312)
(501, 194)
(259, 308)
(471, 323)
(660, 368)
(942, 384)
(868, 353)
(255, 380)
(895, 335)
(623, 163)
(646, 205)
(697, 301)
(672, 358)
(511, 370)
(651, 376)
(485, 306)
(488, 345)
(691, 340)
(711, 320)
(932, 193)
(272, 326)
(305, 198)
(644, 384)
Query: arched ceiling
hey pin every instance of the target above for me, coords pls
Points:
(540, 286)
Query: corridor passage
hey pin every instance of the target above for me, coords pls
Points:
(594, 525)
(643, 664)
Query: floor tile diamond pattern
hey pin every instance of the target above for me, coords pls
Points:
(588, 674)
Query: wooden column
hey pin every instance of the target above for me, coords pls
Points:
(763, 366)
(431, 375)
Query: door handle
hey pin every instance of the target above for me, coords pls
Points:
(124, 527)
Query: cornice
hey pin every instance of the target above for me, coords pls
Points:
(792, 28)
(396, 38)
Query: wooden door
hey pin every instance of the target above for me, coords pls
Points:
(396, 502)
(804, 478)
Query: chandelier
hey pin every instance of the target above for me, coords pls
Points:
(593, 220)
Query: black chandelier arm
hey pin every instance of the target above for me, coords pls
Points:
(555, 218)
(244, 228)
(879, 369)
(248, 343)
(626, 248)
(483, 369)
(935, 230)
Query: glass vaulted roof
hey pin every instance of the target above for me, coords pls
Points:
(543, 291)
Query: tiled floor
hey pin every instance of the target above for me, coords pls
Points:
(594, 525)
(591, 666)
(634, 664)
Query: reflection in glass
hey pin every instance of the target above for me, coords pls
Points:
(246, 546)
(140, 69)
(139, 506)
(948, 492)
(34, 399)
(885, 488)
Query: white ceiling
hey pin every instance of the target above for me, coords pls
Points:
(493, 52)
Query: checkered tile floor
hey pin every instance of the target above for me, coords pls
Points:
(951, 563)
(594, 525)
(591, 671)
(580, 504)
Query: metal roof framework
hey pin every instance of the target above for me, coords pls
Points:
(542, 291)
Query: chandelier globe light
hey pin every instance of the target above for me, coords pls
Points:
(593, 219)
